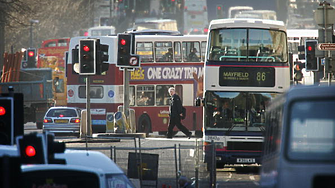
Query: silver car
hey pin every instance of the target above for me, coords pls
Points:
(62, 120)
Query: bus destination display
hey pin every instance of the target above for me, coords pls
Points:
(247, 76)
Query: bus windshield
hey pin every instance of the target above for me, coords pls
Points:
(247, 44)
(237, 111)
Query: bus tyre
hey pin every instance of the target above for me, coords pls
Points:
(144, 124)
(39, 125)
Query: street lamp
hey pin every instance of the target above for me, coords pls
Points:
(31, 31)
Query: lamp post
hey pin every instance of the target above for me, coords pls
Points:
(31, 32)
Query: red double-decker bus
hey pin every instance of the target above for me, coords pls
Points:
(148, 90)
(52, 55)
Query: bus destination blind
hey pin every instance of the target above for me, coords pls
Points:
(247, 76)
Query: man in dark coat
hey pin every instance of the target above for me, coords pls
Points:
(175, 114)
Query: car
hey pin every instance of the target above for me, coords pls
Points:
(62, 120)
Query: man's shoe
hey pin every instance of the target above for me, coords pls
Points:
(170, 137)
(189, 135)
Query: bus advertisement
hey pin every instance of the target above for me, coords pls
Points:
(148, 91)
(246, 67)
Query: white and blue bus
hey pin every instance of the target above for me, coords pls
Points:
(246, 67)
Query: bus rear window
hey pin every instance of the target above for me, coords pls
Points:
(312, 130)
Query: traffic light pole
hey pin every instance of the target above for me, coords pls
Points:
(88, 106)
(325, 21)
(125, 92)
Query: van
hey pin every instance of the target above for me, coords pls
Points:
(299, 143)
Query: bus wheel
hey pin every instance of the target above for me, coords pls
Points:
(144, 124)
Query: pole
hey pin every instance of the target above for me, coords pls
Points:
(126, 92)
(88, 107)
(31, 35)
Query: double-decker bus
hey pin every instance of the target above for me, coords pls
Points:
(52, 55)
(148, 92)
(246, 67)
(195, 17)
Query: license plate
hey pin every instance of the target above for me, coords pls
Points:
(61, 121)
(246, 160)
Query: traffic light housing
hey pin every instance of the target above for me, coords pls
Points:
(124, 50)
(102, 56)
(31, 57)
(219, 11)
(298, 71)
(310, 57)
(54, 147)
(6, 120)
(87, 56)
(32, 149)
(11, 106)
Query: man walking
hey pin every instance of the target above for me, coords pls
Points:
(175, 114)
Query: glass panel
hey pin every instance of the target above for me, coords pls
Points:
(191, 51)
(203, 50)
(145, 50)
(97, 92)
(262, 45)
(162, 95)
(238, 111)
(132, 95)
(59, 85)
(177, 52)
(164, 51)
(145, 95)
(312, 130)
(51, 44)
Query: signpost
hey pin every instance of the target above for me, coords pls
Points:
(326, 46)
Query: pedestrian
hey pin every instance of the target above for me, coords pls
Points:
(176, 114)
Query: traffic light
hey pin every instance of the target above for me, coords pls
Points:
(297, 71)
(6, 120)
(102, 56)
(87, 56)
(54, 147)
(32, 149)
(124, 50)
(219, 11)
(310, 57)
(31, 57)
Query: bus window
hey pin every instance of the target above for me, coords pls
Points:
(312, 130)
(162, 51)
(62, 42)
(177, 52)
(145, 50)
(191, 51)
(97, 92)
(203, 50)
(51, 44)
(131, 95)
(162, 95)
(59, 85)
(145, 95)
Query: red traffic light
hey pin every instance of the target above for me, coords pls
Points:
(2, 111)
(219, 7)
(123, 42)
(309, 48)
(31, 53)
(30, 151)
(86, 48)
